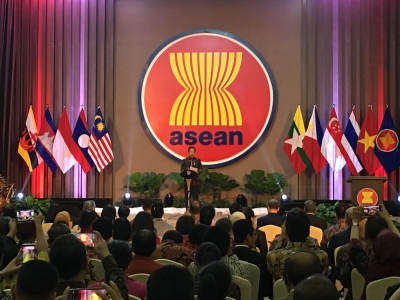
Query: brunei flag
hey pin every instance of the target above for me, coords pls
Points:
(293, 145)
(27, 142)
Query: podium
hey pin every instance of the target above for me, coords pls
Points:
(366, 189)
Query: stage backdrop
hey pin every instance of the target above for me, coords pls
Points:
(320, 52)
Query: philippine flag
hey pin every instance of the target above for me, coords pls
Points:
(80, 143)
(44, 143)
(62, 141)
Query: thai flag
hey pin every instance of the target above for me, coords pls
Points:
(349, 142)
(44, 143)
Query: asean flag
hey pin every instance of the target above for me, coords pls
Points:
(312, 142)
(62, 141)
(80, 143)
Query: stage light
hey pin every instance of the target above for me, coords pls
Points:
(20, 195)
(127, 196)
(284, 197)
(398, 198)
(127, 199)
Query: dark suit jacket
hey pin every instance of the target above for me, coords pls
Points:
(317, 222)
(261, 242)
(337, 240)
(270, 219)
(192, 162)
(260, 260)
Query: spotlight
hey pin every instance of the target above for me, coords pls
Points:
(168, 200)
(20, 195)
(284, 197)
(127, 196)
(398, 198)
(127, 199)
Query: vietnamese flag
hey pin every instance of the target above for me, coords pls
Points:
(366, 143)
(293, 145)
(312, 142)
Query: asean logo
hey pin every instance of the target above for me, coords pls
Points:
(387, 140)
(367, 197)
(209, 89)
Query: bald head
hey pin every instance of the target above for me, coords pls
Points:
(300, 265)
(316, 287)
(349, 216)
(310, 207)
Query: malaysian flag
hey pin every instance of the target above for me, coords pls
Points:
(100, 148)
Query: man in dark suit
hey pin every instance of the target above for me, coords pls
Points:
(245, 239)
(272, 218)
(191, 166)
(310, 207)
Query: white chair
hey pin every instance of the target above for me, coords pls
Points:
(280, 290)
(131, 297)
(166, 262)
(255, 279)
(98, 268)
(271, 231)
(229, 298)
(244, 285)
(141, 277)
(316, 233)
(357, 284)
(377, 289)
(46, 227)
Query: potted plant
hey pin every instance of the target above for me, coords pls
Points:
(326, 211)
(145, 184)
(32, 203)
(220, 182)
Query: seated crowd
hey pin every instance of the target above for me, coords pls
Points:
(201, 258)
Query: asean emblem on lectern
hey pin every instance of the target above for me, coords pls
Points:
(209, 89)
(367, 197)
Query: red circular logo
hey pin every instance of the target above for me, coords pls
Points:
(208, 89)
(367, 197)
(387, 140)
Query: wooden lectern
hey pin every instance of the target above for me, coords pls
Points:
(360, 182)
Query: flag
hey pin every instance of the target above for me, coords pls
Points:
(27, 142)
(44, 144)
(62, 141)
(312, 142)
(80, 143)
(100, 148)
(387, 144)
(349, 143)
(366, 143)
(293, 145)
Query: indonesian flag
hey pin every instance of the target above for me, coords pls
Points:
(366, 143)
(61, 152)
(293, 145)
(349, 142)
(312, 142)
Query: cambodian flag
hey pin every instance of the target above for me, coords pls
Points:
(45, 140)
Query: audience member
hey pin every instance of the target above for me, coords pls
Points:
(104, 225)
(170, 283)
(340, 215)
(245, 239)
(195, 207)
(174, 236)
(157, 212)
(86, 221)
(261, 242)
(37, 280)
(215, 281)
(56, 230)
(234, 207)
(143, 246)
(250, 215)
(63, 216)
(146, 204)
(298, 266)
(4, 227)
(109, 211)
(295, 234)
(226, 225)
(310, 207)
(10, 211)
(272, 218)
(241, 199)
(123, 211)
(123, 256)
(122, 229)
(144, 220)
(237, 216)
(196, 236)
(184, 225)
(52, 212)
(207, 214)
(89, 205)
(316, 287)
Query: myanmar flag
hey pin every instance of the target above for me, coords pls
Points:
(293, 145)
(27, 142)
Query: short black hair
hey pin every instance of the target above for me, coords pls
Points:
(299, 265)
(340, 210)
(170, 283)
(52, 212)
(11, 250)
(173, 235)
(197, 233)
(157, 210)
(143, 220)
(206, 253)
(316, 287)
(122, 229)
(191, 147)
(225, 224)
(104, 225)
(10, 211)
(215, 280)
(207, 214)
(373, 225)
(249, 213)
(234, 207)
(310, 206)
(37, 280)
(184, 224)
(147, 203)
(123, 211)
(241, 229)
(195, 207)
(143, 242)
(68, 255)
(121, 252)
(109, 211)
(219, 237)
(87, 218)
(4, 229)
(273, 203)
(297, 225)
(57, 229)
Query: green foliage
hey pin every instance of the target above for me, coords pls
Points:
(220, 203)
(326, 211)
(260, 204)
(275, 183)
(176, 178)
(33, 204)
(397, 225)
(205, 187)
(261, 183)
(221, 182)
(179, 202)
(147, 183)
